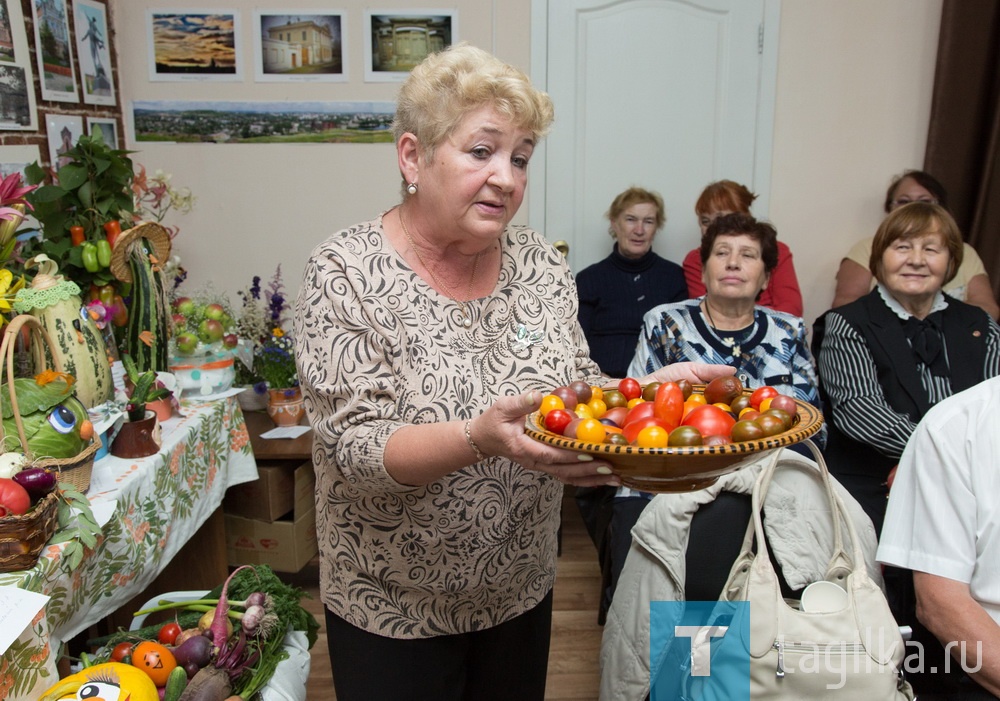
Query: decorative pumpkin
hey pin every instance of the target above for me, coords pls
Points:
(55, 422)
(55, 302)
(112, 681)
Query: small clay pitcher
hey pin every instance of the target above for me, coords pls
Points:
(285, 406)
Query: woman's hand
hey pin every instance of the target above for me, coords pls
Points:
(697, 373)
(500, 431)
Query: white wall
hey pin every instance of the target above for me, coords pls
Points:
(854, 86)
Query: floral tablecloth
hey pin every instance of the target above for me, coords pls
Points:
(159, 503)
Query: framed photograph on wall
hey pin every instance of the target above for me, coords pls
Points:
(96, 79)
(17, 93)
(194, 45)
(8, 53)
(63, 131)
(54, 50)
(396, 41)
(14, 159)
(299, 46)
(109, 129)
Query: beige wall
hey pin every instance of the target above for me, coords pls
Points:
(854, 85)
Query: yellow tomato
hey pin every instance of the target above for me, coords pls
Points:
(693, 402)
(583, 411)
(723, 406)
(598, 407)
(633, 402)
(591, 431)
(550, 402)
(765, 405)
(652, 437)
(596, 392)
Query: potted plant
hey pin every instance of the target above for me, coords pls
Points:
(91, 192)
(139, 437)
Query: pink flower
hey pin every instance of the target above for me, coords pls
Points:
(11, 193)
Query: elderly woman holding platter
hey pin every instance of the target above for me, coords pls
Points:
(423, 339)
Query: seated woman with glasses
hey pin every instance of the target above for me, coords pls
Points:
(971, 284)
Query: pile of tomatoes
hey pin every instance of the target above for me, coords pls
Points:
(661, 415)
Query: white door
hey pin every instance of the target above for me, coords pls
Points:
(663, 94)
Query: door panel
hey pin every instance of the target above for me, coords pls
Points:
(662, 94)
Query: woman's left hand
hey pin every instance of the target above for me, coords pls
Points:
(500, 431)
(697, 373)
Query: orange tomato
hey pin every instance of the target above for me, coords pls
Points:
(550, 402)
(155, 660)
(591, 431)
(652, 437)
(598, 407)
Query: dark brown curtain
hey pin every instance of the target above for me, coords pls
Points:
(963, 142)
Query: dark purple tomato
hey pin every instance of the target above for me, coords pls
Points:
(568, 396)
(583, 391)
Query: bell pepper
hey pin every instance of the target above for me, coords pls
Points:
(104, 253)
(112, 229)
(89, 256)
(76, 235)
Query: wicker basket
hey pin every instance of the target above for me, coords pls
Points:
(74, 470)
(23, 537)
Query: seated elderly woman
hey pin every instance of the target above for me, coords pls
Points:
(725, 327)
(886, 358)
(970, 284)
(685, 544)
(728, 197)
(617, 291)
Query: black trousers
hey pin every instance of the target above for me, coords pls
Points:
(505, 662)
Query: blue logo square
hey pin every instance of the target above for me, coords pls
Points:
(698, 650)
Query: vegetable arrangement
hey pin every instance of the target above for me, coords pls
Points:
(225, 645)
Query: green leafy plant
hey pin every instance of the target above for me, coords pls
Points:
(92, 189)
(144, 389)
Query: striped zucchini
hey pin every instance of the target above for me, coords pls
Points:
(146, 333)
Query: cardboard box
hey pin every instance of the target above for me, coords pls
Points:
(281, 487)
(286, 545)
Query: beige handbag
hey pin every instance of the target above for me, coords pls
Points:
(856, 652)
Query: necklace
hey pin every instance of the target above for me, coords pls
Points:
(466, 317)
(728, 340)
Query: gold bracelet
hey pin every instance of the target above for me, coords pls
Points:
(472, 443)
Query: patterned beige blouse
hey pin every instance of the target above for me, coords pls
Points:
(378, 348)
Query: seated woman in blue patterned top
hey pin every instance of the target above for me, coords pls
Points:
(724, 327)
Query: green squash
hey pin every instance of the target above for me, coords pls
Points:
(76, 339)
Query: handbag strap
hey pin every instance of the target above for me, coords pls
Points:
(840, 563)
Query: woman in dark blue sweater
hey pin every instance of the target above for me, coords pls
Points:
(617, 291)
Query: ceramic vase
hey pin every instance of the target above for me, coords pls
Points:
(285, 406)
(137, 439)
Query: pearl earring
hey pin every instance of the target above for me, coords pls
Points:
(412, 188)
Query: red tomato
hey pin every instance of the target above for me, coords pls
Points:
(616, 414)
(760, 394)
(631, 431)
(121, 651)
(710, 420)
(786, 404)
(14, 499)
(557, 420)
(642, 410)
(155, 660)
(669, 404)
(630, 387)
(168, 633)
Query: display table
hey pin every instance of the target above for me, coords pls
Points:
(158, 503)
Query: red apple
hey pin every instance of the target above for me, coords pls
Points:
(230, 340)
(187, 342)
(210, 331)
(184, 305)
(215, 311)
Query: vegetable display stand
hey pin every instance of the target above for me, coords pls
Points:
(48, 399)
